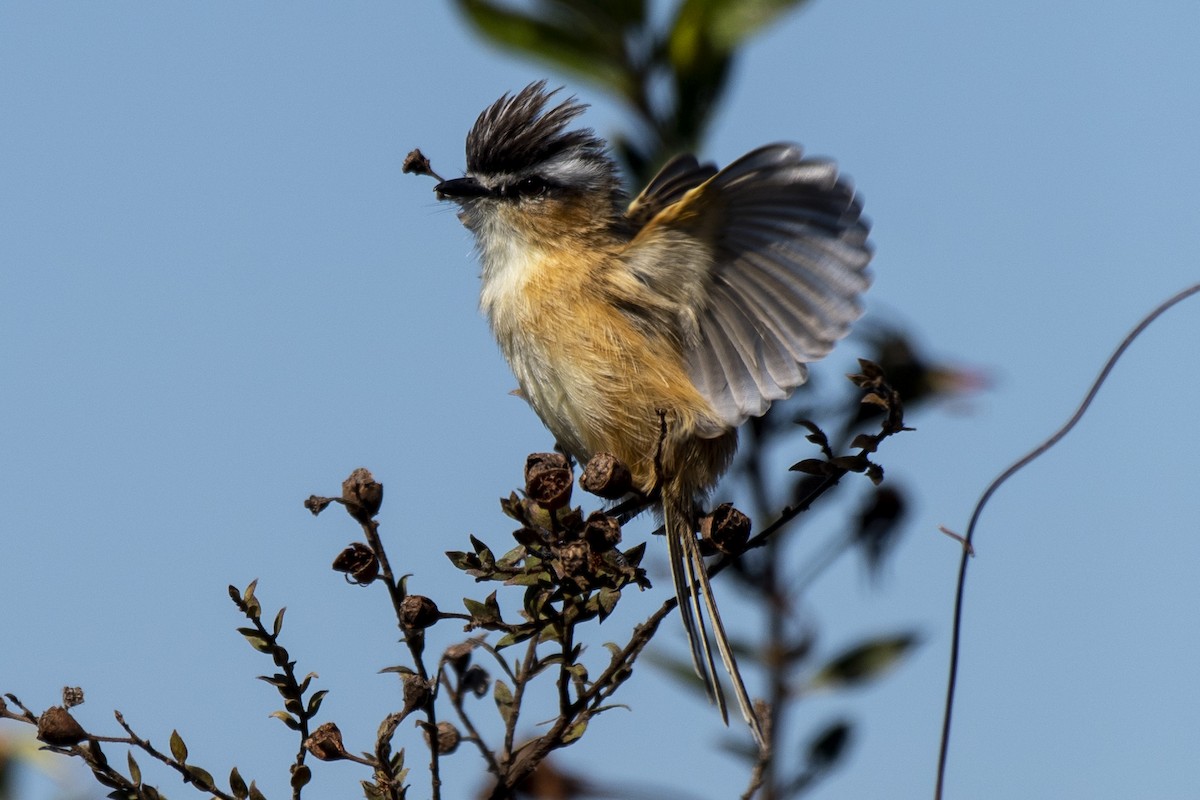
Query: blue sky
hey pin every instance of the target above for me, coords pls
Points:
(218, 295)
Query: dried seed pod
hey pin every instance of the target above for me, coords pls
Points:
(416, 694)
(605, 476)
(325, 743)
(418, 612)
(727, 528)
(602, 532)
(363, 495)
(574, 558)
(448, 738)
(57, 728)
(359, 563)
(548, 480)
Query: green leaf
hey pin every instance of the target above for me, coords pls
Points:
(278, 626)
(399, 669)
(865, 662)
(827, 748)
(178, 748)
(510, 559)
(575, 731)
(484, 614)
(812, 466)
(256, 639)
(608, 601)
(201, 778)
(314, 702)
(529, 579)
(135, 772)
(728, 23)
(509, 639)
(504, 700)
(589, 51)
(255, 794)
(633, 556)
(286, 719)
(238, 786)
(253, 609)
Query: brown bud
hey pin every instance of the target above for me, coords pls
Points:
(548, 480)
(602, 532)
(418, 611)
(727, 528)
(605, 476)
(362, 494)
(325, 743)
(359, 563)
(57, 728)
(448, 738)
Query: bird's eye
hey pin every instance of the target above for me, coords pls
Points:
(533, 186)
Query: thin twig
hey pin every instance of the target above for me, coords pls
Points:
(396, 593)
(456, 701)
(968, 542)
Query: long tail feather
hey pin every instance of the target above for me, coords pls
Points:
(691, 615)
(692, 588)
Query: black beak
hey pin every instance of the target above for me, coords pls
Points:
(461, 189)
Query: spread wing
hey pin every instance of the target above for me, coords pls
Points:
(774, 255)
(673, 181)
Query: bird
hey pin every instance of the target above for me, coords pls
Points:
(652, 328)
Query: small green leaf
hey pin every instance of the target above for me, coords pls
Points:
(827, 748)
(178, 748)
(238, 786)
(865, 441)
(256, 639)
(856, 463)
(135, 772)
(812, 466)
(314, 702)
(253, 608)
(255, 794)
(633, 556)
(504, 700)
(541, 578)
(608, 601)
(513, 557)
(865, 662)
(516, 637)
(399, 669)
(201, 778)
(286, 719)
(482, 550)
(278, 626)
(575, 731)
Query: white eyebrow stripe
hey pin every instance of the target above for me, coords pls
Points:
(573, 170)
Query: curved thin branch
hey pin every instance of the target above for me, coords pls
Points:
(968, 544)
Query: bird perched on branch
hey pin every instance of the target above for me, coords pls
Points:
(652, 329)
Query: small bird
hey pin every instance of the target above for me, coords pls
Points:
(652, 329)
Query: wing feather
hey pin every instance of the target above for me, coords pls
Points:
(788, 253)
